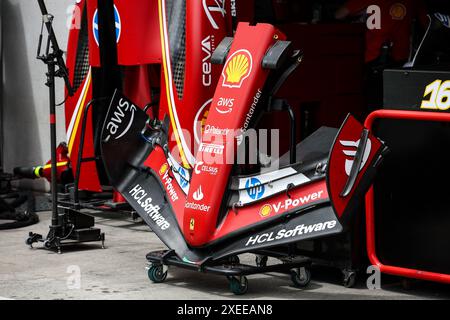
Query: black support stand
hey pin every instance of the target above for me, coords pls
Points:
(68, 225)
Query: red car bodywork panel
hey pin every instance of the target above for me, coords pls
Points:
(239, 85)
(340, 157)
(74, 109)
(200, 76)
(138, 40)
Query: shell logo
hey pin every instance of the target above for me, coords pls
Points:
(398, 11)
(237, 68)
(163, 169)
(265, 210)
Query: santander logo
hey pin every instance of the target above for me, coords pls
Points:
(198, 195)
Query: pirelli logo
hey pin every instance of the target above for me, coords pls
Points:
(211, 148)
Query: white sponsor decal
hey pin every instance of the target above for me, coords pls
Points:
(351, 153)
(225, 105)
(168, 183)
(198, 195)
(207, 48)
(197, 206)
(269, 176)
(298, 230)
(116, 120)
(210, 9)
(202, 167)
(292, 203)
(211, 148)
(271, 184)
(215, 130)
(233, 8)
(250, 112)
(146, 202)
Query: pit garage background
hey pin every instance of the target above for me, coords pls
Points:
(25, 130)
(329, 84)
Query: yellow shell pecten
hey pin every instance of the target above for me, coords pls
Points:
(237, 68)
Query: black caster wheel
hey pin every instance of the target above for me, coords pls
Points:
(47, 244)
(156, 273)
(349, 280)
(238, 286)
(29, 242)
(261, 261)
(301, 277)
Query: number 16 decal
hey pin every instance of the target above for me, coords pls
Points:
(439, 96)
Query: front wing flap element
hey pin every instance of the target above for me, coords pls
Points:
(352, 164)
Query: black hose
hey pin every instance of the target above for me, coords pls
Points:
(9, 204)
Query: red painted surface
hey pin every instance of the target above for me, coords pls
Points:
(337, 175)
(241, 79)
(89, 176)
(200, 79)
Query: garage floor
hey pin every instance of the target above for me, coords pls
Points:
(118, 272)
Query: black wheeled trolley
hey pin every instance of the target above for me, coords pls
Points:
(232, 268)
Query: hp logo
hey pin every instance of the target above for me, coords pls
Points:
(254, 188)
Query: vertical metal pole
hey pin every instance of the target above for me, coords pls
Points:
(54, 185)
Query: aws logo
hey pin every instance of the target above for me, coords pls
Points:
(123, 114)
(237, 68)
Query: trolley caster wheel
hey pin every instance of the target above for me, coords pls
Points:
(156, 273)
(261, 261)
(238, 286)
(47, 244)
(29, 242)
(301, 277)
(32, 238)
(349, 280)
